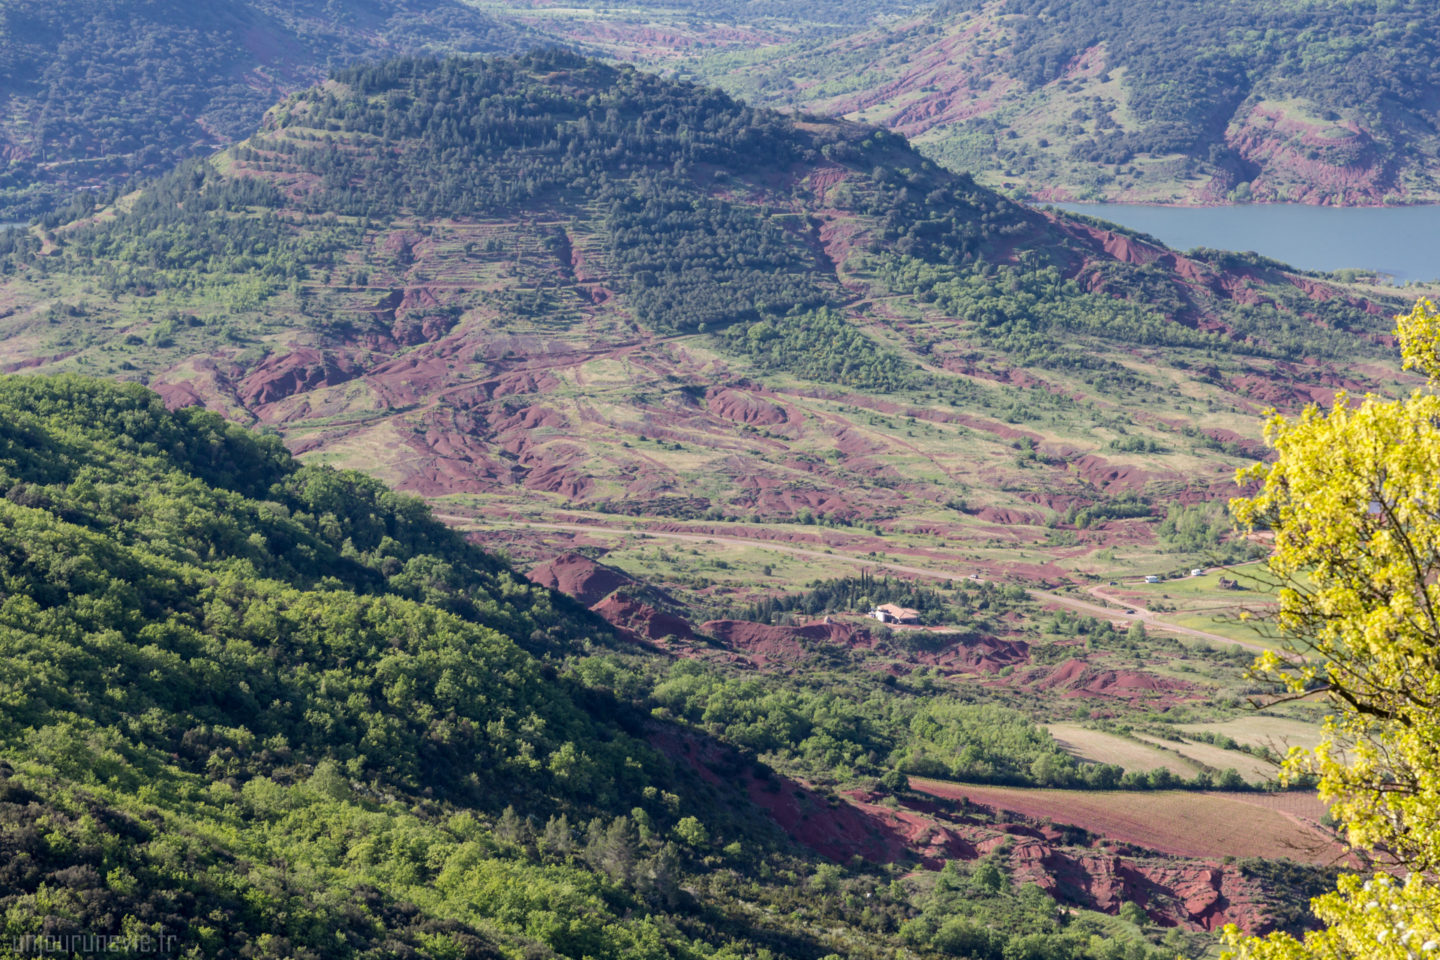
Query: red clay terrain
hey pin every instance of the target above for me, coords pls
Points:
(430, 379)
(620, 600)
(1195, 884)
(574, 575)
(1181, 823)
(948, 821)
(1076, 678)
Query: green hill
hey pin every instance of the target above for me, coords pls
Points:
(1201, 100)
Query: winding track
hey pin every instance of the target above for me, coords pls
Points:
(1147, 617)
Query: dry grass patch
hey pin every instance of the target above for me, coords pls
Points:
(1097, 746)
(1253, 769)
(1277, 733)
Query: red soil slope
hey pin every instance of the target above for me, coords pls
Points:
(1073, 866)
(580, 577)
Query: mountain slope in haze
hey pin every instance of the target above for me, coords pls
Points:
(546, 285)
(99, 93)
(92, 93)
(1208, 100)
(1198, 101)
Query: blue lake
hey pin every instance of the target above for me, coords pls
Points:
(1403, 242)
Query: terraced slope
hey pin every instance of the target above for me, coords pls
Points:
(645, 299)
(1197, 101)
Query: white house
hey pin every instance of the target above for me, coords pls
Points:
(891, 613)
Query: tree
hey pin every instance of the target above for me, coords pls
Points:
(1132, 912)
(558, 840)
(1354, 503)
(692, 832)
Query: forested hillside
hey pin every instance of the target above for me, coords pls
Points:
(94, 92)
(257, 709)
(1209, 100)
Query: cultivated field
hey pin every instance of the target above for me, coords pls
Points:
(1097, 746)
(1253, 769)
(1185, 758)
(1277, 733)
(1206, 825)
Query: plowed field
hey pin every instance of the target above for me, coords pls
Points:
(1206, 825)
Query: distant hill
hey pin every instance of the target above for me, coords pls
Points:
(1205, 100)
(550, 278)
(1199, 100)
(95, 91)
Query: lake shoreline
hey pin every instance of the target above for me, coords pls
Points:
(1399, 243)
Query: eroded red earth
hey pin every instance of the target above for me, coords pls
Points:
(938, 824)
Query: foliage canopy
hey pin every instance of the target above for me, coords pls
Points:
(1354, 504)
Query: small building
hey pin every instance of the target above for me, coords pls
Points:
(1152, 579)
(890, 613)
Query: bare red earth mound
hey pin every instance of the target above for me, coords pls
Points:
(641, 620)
(1076, 678)
(580, 577)
(766, 641)
(280, 376)
(983, 655)
(744, 407)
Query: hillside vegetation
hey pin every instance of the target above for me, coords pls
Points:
(1202, 100)
(95, 92)
(269, 710)
(471, 259)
